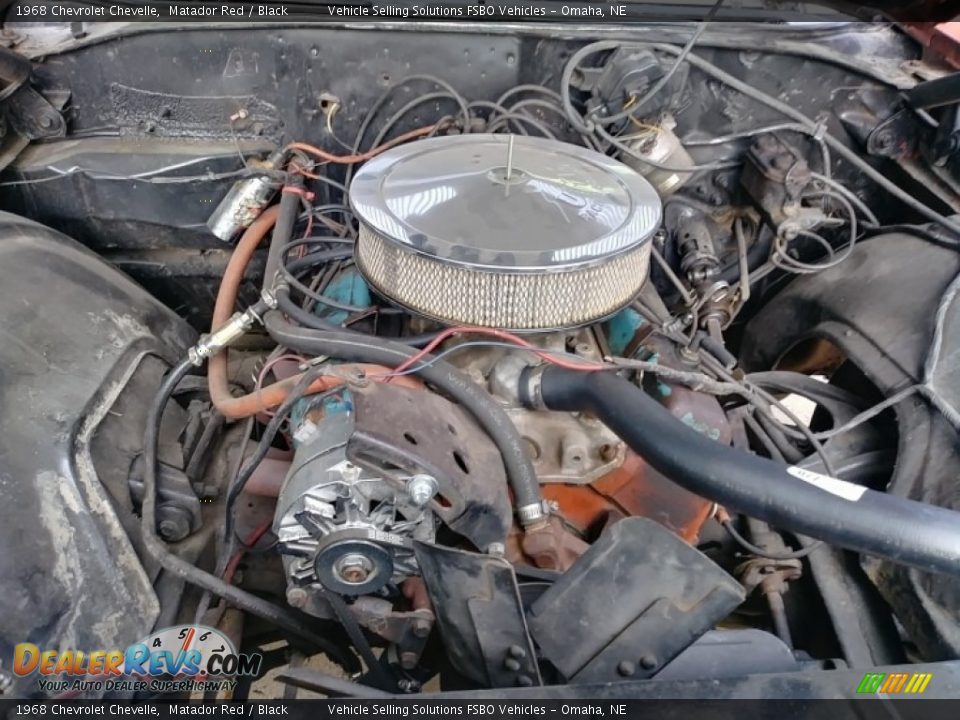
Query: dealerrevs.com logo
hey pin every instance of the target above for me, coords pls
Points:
(185, 658)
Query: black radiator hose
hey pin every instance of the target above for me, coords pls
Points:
(837, 512)
(290, 199)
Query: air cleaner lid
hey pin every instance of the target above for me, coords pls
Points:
(507, 202)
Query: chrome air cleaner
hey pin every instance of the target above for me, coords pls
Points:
(504, 231)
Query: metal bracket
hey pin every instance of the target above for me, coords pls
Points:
(640, 595)
(178, 508)
(480, 616)
(26, 114)
(420, 432)
(894, 137)
(34, 116)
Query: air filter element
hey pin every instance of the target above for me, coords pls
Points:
(504, 231)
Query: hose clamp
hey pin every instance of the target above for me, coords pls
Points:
(529, 392)
(532, 514)
(269, 299)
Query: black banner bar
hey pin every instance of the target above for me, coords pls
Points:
(554, 11)
(582, 11)
(396, 709)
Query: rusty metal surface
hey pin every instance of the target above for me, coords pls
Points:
(136, 110)
(550, 546)
(568, 447)
(420, 432)
(634, 489)
(407, 630)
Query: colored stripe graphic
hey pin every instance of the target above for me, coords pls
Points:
(894, 683)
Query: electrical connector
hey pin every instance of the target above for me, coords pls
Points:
(227, 334)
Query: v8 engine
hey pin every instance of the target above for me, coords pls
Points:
(483, 359)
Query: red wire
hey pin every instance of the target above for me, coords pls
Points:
(292, 190)
(351, 159)
(263, 374)
(302, 250)
(502, 335)
(251, 540)
(309, 225)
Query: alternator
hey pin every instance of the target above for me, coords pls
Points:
(339, 526)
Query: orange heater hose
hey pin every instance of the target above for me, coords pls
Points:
(272, 395)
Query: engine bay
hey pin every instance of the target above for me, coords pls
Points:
(536, 360)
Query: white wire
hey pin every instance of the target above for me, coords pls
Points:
(146, 176)
(849, 195)
(782, 260)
